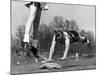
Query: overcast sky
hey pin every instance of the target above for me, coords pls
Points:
(84, 15)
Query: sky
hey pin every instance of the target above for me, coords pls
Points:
(84, 15)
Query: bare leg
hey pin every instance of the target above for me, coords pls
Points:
(29, 23)
(51, 51)
(67, 42)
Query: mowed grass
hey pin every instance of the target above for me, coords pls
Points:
(33, 67)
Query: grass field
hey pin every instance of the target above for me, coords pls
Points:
(67, 65)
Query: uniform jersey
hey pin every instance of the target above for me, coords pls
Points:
(72, 35)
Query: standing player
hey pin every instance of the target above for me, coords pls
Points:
(34, 19)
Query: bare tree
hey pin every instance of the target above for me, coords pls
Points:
(73, 25)
(58, 22)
